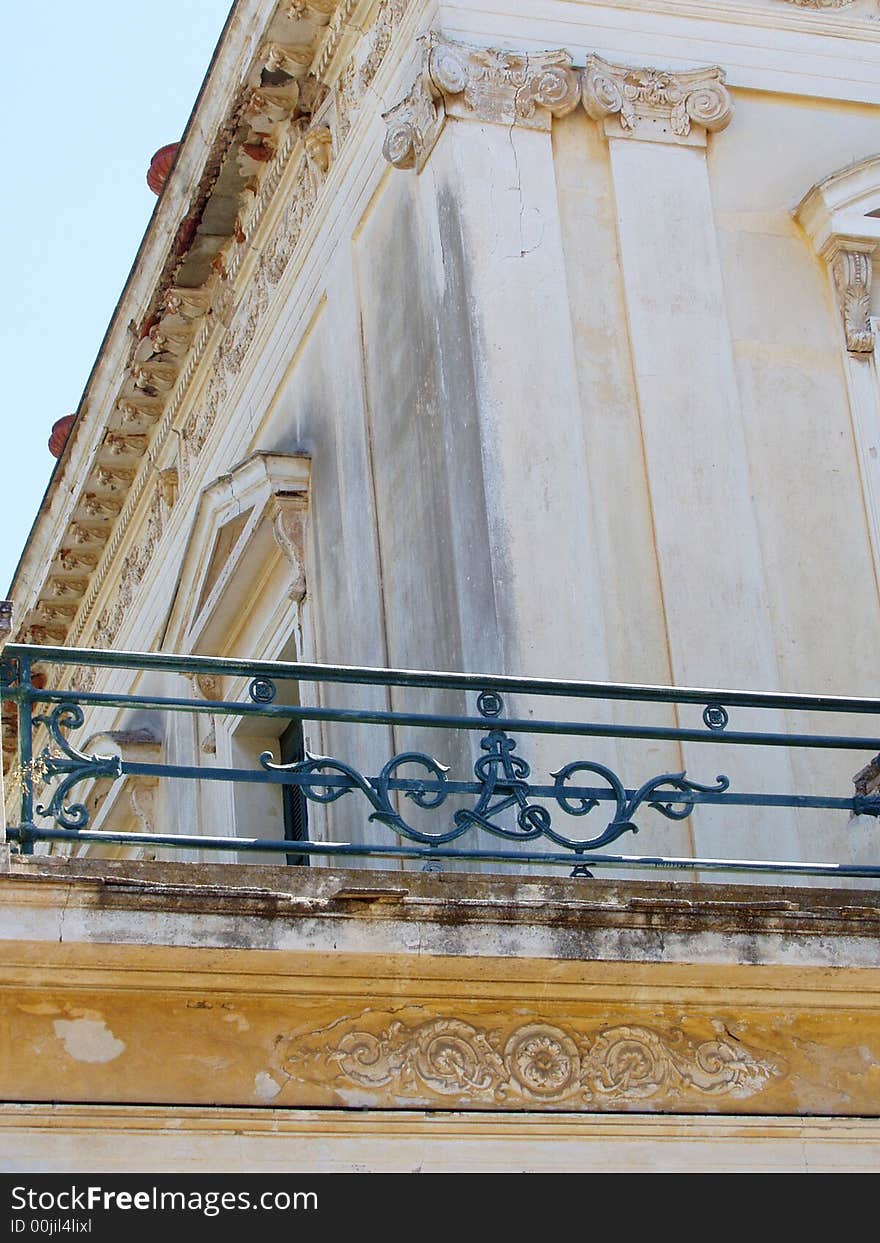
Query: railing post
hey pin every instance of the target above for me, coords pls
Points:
(5, 631)
(25, 750)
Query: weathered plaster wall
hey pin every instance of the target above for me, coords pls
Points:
(148, 983)
(46, 1138)
(575, 401)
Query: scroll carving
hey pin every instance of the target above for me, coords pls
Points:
(851, 269)
(485, 84)
(537, 1064)
(413, 127)
(653, 103)
(289, 528)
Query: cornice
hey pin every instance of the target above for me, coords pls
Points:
(855, 19)
(277, 204)
(254, 101)
(283, 96)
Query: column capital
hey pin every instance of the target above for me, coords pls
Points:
(656, 105)
(480, 84)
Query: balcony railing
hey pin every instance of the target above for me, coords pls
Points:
(415, 807)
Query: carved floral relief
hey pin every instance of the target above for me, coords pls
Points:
(851, 268)
(537, 1063)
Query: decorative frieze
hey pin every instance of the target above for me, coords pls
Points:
(654, 104)
(357, 74)
(132, 570)
(128, 445)
(113, 479)
(285, 89)
(318, 143)
(55, 611)
(535, 1064)
(100, 508)
(851, 267)
(85, 536)
(336, 27)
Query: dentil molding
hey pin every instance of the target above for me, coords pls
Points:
(508, 88)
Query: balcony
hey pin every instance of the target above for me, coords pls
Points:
(477, 771)
(417, 918)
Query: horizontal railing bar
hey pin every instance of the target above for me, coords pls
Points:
(427, 679)
(28, 833)
(523, 725)
(430, 786)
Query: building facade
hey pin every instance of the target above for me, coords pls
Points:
(536, 342)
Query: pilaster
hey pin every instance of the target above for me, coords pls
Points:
(497, 108)
(708, 546)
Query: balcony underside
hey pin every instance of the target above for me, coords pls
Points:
(131, 983)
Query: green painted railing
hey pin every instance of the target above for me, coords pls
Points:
(407, 804)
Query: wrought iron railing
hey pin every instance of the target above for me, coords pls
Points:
(536, 823)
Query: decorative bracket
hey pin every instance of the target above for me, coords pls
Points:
(837, 215)
(850, 262)
(289, 529)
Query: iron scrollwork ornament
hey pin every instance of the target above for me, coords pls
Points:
(503, 787)
(74, 764)
(262, 690)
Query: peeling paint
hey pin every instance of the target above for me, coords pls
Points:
(241, 1023)
(265, 1087)
(88, 1040)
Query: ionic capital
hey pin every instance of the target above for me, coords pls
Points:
(482, 84)
(656, 105)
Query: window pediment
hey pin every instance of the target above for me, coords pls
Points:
(840, 217)
(245, 520)
(843, 205)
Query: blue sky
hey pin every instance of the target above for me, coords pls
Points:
(90, 91)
